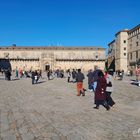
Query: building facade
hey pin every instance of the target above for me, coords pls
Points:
(45, 58)
(111, 55)
(125, 49)
(134, 47)
(121, 50)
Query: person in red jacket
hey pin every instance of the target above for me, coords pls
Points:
(100, 96)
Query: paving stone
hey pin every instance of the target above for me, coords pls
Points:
(52, 111)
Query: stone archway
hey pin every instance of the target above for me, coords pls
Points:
(47, 66)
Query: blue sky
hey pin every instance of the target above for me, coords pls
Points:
(65, 22)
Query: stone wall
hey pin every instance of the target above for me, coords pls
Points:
(62, 58)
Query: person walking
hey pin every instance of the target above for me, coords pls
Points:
(90, 80)
(16, 73)
(138, 75)
(49, 74)
(33, 77)
(9, 75)
(36, 77)
(95, 77)
(100, 95)
(79, 79)
(109, 88)
(69, 75)
(74, 75)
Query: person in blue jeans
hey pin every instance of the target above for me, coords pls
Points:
(95, 77)
(90, 80)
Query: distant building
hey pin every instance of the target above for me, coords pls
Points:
(125, 49)
(45, 58)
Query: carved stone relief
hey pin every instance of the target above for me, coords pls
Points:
(6, 55)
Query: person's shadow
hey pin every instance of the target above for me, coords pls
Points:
(40, 82)
(134, 82)
(15, 79)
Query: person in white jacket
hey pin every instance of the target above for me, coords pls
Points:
(109, 88)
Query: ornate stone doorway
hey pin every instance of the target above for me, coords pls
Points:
(47, 67)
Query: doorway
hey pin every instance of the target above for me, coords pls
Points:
(47, 67)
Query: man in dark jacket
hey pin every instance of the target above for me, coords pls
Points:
(95, 77)
(74, 75)
(90, 80)
(79, 79)
(33, 77)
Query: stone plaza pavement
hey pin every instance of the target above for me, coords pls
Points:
(50, 110)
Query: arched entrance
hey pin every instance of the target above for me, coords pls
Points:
(47, 67)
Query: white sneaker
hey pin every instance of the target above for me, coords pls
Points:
(90, 90)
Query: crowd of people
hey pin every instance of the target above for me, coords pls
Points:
(99, 82)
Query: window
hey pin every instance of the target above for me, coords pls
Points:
(131, 56)
(124, 48)
(136, 54)
(96, 56)
(124, 41)
(124, 54)
(137, 43)
(130, 46)
(128, 55)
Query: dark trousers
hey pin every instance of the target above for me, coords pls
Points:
(109, 99)
(68, 79)
(103, 103)
(33, 80)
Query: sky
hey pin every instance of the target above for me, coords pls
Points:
(65, 22)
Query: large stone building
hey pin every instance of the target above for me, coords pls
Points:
(45, 58)
(134, 47)
(125, 49)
